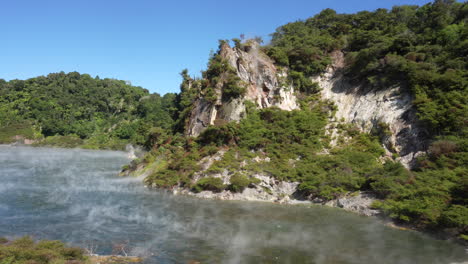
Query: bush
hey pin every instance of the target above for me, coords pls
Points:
(222, 135)
(455, 216)
(70, 141)
(164, 178)
(239, 182)
(23, 129)
(442, 147)
(303, 84)
(209, 184)
(25, 250)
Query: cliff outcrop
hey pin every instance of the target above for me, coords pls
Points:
(387, 110)
(265, 86)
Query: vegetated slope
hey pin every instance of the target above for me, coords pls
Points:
(26, 250)
(422, 50)
(75, 109)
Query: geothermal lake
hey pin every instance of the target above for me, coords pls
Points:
(76, 196)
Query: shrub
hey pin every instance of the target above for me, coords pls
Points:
(70, 141)
(237, 43)
(239, 182)
(164, 178)
(22, 129)
(209, 184)
(455, 216)
(25, 250)
(442, 147)
(233, 87)
(222, 135)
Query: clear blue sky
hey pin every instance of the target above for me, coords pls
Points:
(145, 42)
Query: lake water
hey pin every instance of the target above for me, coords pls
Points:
(76, 196)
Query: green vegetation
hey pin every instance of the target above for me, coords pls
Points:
(433, 195)
(25, 250)
(290, 141)
(209, 184)
(239, 182)
(25, 130)
(77, 110)
(422, 49)
(221, 74)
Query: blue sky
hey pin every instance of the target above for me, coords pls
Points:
(145, 42)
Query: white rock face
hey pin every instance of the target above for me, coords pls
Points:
(261, 76)
(264, 88)
(360, 203)
(367, 107)
(268, 190)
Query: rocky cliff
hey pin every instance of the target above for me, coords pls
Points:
(368, 108)
(389, 109)
(265, 86)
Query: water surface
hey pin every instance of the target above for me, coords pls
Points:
(75, 196)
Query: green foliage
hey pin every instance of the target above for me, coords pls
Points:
(422, 48)
(190, 90)
(25, 250)
(221, 74)
(209, 184)
(433, 196)
(25, 130)
(222, 135)
(345, 169)
(69, 141)
(302, 47)
(303, 84)
(455, 216)
(164, 178)
(239, 182)
(237, 43)
(103, 112)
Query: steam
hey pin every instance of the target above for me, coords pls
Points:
(75, 195)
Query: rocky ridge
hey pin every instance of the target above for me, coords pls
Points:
(367, 108)
(265, 86)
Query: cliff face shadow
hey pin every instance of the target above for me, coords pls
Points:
(369, 107)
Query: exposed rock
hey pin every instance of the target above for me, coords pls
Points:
(114, 259)
(271, 190)
(263, 83)
(21, 140)
(368, 108)
(134, 152)
(206, 162)
(359, 203)
(268, 189)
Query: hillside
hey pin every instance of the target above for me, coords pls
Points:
(75, 109)
(338, 105)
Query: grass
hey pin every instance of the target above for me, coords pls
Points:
(27, 251)
(24, 130)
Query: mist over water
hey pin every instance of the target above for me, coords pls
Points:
(75, 196)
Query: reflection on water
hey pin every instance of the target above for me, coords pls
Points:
(75, 196)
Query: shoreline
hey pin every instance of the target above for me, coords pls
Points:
(358, 203)
(338, 203)
(129, 154)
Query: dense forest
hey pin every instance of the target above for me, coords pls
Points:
(423, 49)
(77, 110)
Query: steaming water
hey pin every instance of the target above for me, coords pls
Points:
(75, 196)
